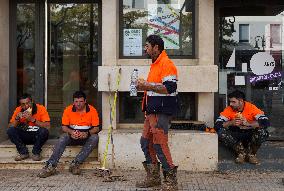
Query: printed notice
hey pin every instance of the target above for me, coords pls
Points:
(240, 81)
(132, 42)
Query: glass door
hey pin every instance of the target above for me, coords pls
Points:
(251, 60)
(73, 56)
(28, 50)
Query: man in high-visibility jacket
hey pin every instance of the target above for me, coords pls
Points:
(29, 124)
(242, 127)
(80, 124)
(159, 104)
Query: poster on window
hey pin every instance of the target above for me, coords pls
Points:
(132, 42)
(164, 20)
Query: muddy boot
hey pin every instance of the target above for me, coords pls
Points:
(48, 170)
(152, 178)
(240, 151)
(74, 168)
(170, 180)
(252, 149)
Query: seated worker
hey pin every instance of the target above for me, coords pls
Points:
(29, 124)
(80, 124)
(242, 127)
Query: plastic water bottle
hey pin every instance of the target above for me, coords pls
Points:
(133, 83)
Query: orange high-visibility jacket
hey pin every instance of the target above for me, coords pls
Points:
(162, 71)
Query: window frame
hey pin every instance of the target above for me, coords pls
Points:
(193, 56)
(244, 41)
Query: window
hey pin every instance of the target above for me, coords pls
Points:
(172, 20)
(243, 33)
(130, 108)
(275, 33)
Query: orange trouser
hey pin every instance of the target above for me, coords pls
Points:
(154, 140)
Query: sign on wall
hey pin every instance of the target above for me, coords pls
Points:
(164, 20)
(132, 42)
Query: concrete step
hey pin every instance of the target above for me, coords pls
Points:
(270, 154)
(265, 165)
(269, 150)
(10, 163)
(8, 150)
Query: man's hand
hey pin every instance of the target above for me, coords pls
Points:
(19, 116)
(28, 116)
(79, 135)
(75, 134)
(142, 84)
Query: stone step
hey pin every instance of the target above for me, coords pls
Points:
(10, 163)
(8, 150)
(265, 165)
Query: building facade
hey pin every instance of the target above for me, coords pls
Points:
(51, 48)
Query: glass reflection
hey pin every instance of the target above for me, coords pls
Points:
(25, 49)
(73, 55)
(251, 60)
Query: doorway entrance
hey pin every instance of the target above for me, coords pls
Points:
(251, 57)
(57, 46)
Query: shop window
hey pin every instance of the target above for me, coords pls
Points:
(243, 33)
(254, 67)
(275, 33)
(173, 20)
(130, 108)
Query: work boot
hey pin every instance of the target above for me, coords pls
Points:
(240, 151)
(21, 157)
(74, 168)
(36, 157)
(152, 178)
(48, 170)
(170, 180)
(252, 150)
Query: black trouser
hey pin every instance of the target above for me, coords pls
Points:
(231, 136)
(20, 138)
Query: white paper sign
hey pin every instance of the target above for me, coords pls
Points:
(132, 42)
(164, 20)
(240, 81)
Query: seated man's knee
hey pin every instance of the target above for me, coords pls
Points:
(94, 138)
(43, 132)
(64, 137)
(11, 131)
(259, 136)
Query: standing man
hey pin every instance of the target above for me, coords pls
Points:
(242, 127)
(29, 125)
(159, 104)
(80, 124)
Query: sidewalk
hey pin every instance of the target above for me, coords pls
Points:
(251, 180)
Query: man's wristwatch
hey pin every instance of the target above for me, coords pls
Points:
(33, 121)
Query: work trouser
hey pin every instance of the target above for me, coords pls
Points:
(233, 135)
(88, 146)
(21, 137)
(154, 140)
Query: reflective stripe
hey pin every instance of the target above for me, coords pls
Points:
(172, 78)
(260, 116)
(151, 93)
(222, 118)
(80, 127)
(155, 84)
(32, 128)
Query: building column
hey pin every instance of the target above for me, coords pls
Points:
(4, 67)
(110, 52)
(205, 54)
